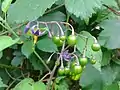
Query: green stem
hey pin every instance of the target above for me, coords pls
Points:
(42, 60)
(7, 66)
(8, 88)
(2, 33)
(11, 75)
(6, 26)
(9, 29)
(44, 76)
(3, 25)
(68, 17)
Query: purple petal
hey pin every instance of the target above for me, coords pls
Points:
(32, 31)
(41, 33)
(37, 32)
(26, 30)
(27, 27)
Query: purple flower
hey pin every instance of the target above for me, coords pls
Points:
(33, 29)
(36, 31)
(27, 27)
(66, 56)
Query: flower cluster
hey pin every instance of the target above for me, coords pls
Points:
(34, 29)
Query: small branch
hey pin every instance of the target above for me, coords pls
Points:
(13, 67)
(62, 66)
(2, 33)
(54, 69)
(111, 9)
(44, 76)
(10, 30)
(3, 26)
(49, 32)
(6, 26)
(47, 79)
(73, 31)
(8, 88)
(10, 75)
(61, 30)
(74, 48)
(52, 74)
(8, 66)
(77, 60)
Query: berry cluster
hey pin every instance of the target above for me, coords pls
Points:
(75, 63)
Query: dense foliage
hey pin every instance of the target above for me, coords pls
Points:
(59, 45)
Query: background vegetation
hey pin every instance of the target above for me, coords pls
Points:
(32, 59)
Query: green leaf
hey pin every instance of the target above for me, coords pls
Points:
(31, 10)
(117, 61)
(29, 84)
(82, 8)
(6, 5)
(2, 84)
(63, 85)
(1, 54)
(116, 69)
(104, 14)
(17, 61)
(55, 16)
(39, 86)
(109, 37)
(25, 84)
(6, 42)
(46, 45)
(58, 79)
(108, 75)
(27, 48)
(114, 86)
(106, 58)
(59, 2)
(119, 84)
(81, 41)
(91, 78)
(36, 63)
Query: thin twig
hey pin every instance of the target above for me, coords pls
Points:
(60, 28)
(54, 69)
(111, 9)
(8, 88)
(47, 79)
(44, 76)
(10, 75)
(2, 33)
